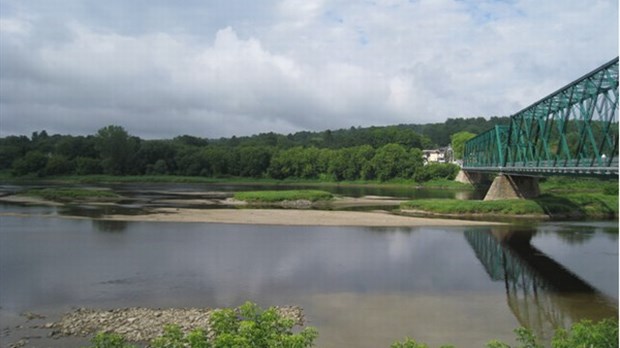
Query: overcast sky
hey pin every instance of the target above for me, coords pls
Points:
(240, 67)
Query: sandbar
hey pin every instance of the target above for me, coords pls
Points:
(293, 217)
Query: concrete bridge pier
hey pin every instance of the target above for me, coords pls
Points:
(473, 178)
(503, 186)
(513, 187)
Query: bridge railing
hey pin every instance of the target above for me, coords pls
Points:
(572, 131)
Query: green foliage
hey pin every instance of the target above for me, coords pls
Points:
(251, 327)
(439, 133)
(592, 205)
(87, 166)
(454, 206)
(611, 190)
(458, 142)
(58, 165)
(410, 343)
(279, 196)
(527, 338)
(173, 337)
(563, 184)
(432, 171)
(586, 334)
(117, 150)
(109, 340)
(394, 161)
(33, 162)
(12, 148)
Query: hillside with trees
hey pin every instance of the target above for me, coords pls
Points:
(371, 153)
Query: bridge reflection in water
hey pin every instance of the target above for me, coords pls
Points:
(542, 294)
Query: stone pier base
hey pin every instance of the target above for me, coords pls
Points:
(513, 187)
(473, 178)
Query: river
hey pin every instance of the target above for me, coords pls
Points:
(360, 287)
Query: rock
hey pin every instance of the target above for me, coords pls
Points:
(19, 343)
(32, 315)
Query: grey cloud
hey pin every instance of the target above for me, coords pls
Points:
(237, 68)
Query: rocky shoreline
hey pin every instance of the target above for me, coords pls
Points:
(139, 324)
(136, 324)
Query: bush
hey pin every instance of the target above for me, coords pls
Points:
(437, 171)
(252, 327)
(584, 334)
(109, 340)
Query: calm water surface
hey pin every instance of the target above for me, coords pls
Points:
(362, 287)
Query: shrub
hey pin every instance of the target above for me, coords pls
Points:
(109, 340)
(437, 171)
(252, 327)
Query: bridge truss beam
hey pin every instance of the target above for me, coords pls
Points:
(572, 131)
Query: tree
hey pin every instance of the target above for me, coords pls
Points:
(458, 143)
(117, 149)
(394, 161)
(33, 162)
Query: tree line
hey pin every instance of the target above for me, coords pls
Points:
(373, 153)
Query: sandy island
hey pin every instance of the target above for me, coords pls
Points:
(268, 216)
(292, 217)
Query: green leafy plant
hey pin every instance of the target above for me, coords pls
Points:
(278, 196)
(410, 343)
(584, 334)
(109, 340)
(251, 327)
(173, 337)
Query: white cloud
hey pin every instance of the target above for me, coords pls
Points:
(298, 65)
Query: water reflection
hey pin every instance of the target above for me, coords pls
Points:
(109, 225)
(541, 293)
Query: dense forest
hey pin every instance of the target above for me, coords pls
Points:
(372, 153)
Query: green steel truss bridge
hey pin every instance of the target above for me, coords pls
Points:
(573, 131)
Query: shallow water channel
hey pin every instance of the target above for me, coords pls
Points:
(360, 287)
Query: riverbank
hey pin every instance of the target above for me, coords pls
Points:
(175, 179)
(567, 204)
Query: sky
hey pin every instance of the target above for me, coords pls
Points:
(163, 68)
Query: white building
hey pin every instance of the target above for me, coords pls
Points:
(440, 155)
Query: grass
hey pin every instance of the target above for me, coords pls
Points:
(71, 194)
(569, 184)
(454, 206)
(577, 205)
(589, 205)
(129, 179)
(279, 196)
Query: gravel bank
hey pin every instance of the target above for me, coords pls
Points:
(142, 324)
